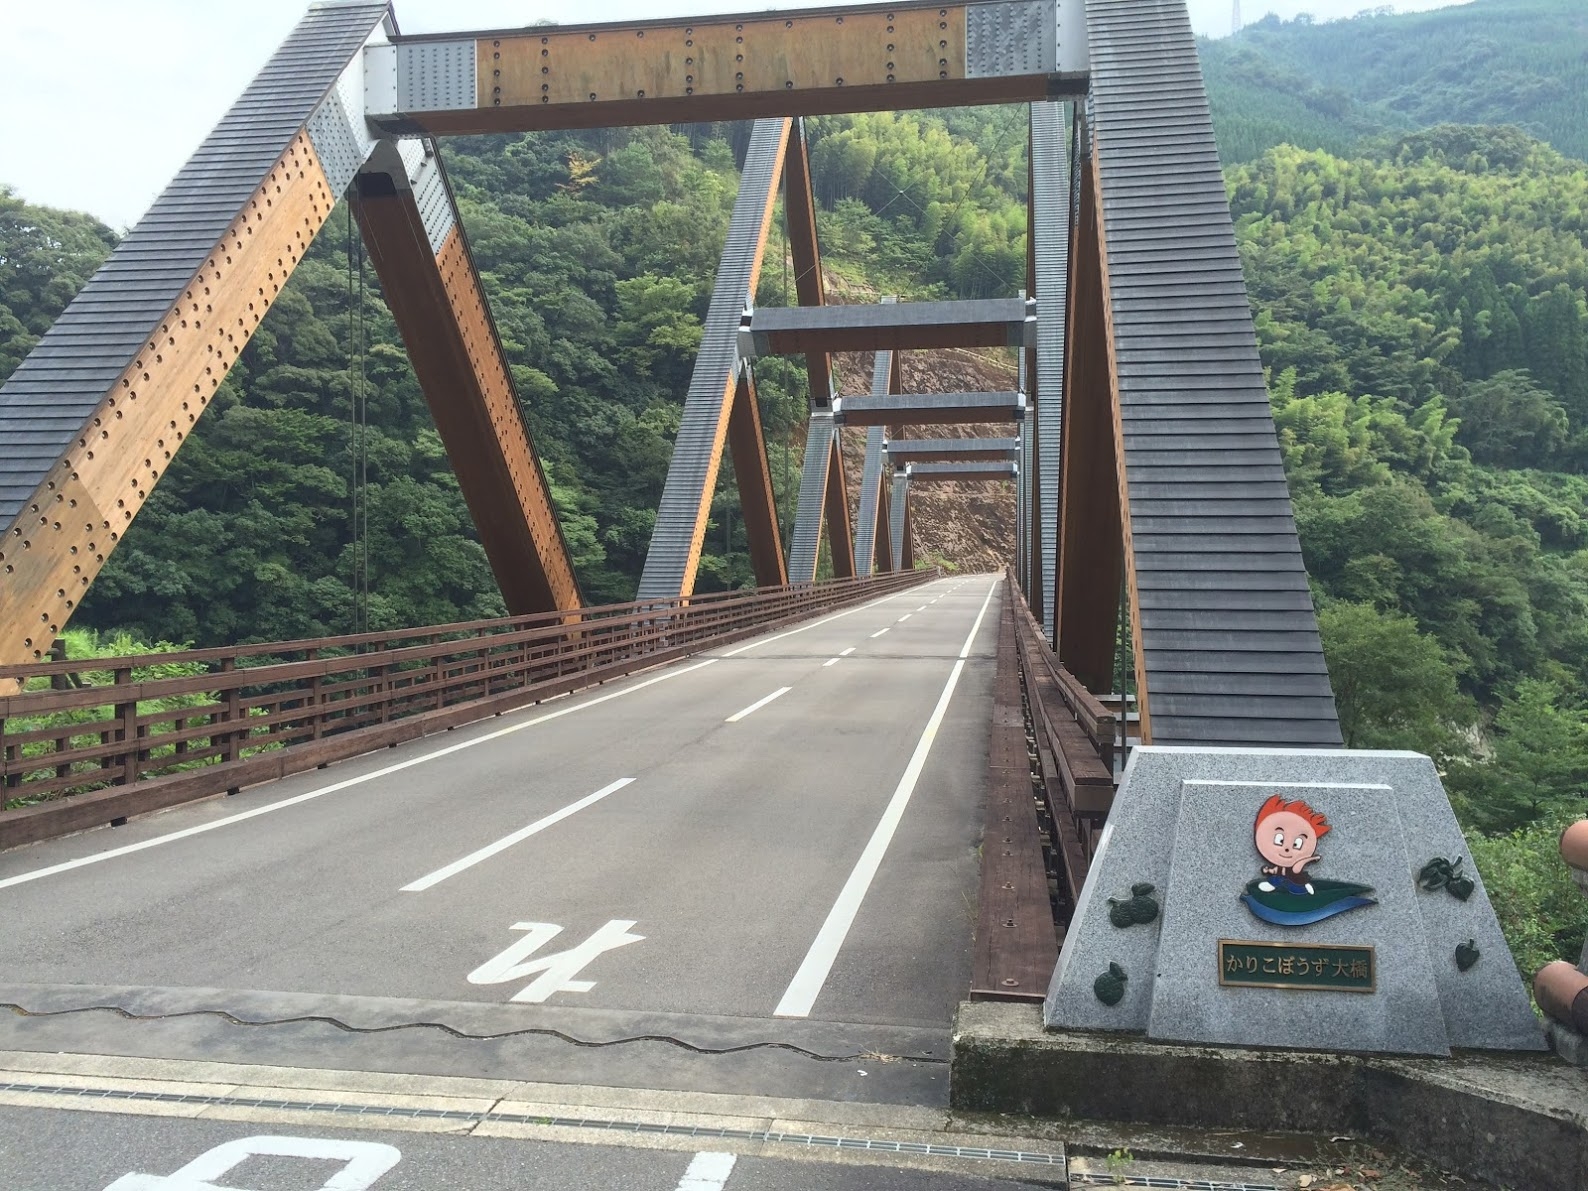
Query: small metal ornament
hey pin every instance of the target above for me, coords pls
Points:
(1440, 873)
(1109, 988)
(1138, 909)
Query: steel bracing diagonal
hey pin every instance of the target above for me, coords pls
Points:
(883, 375)
(805, 544)
(1050, 221)
(674, 553)
(1228, 647)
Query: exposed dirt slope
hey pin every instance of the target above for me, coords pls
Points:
(970, 525)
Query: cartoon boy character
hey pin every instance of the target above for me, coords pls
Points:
(1287, 835)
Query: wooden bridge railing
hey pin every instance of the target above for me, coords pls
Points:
(101, 740)
(1076, 740)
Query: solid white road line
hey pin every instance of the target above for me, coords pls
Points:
(757, 705)
(879, 633)
(507, 841)
(806, 986)
(707, 1172)
(335, 787)
(815, 624)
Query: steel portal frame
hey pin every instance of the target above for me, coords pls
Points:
(1148, 463)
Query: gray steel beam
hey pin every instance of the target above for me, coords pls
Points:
(1051, 227)
(902, 326)
(676, 542)
(883, 374)
(898, 520)
(930, 409)
(970, 470)
(805, 545)
(1154, 153)
(951, 450)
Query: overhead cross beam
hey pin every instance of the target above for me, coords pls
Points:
(930, 409)
(866, 57)
(901, 326)
(952, 450)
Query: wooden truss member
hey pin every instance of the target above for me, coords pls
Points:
(434, 293)
(92, 418)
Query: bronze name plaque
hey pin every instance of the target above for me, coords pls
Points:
(1321, 967)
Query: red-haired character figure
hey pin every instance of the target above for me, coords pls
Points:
(1287, 835)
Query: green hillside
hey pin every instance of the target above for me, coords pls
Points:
(1326, 86)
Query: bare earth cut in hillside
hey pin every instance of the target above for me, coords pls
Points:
(968, 524)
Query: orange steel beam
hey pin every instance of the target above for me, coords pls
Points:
(747, 444)
(1091, 542)
(799, 206)
(441, 311)
(840, 534)
(859, 58)
(78, 513)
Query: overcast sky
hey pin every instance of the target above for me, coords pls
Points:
(101, 101)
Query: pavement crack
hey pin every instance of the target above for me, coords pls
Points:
(530, 1031)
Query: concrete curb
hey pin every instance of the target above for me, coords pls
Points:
(1516, 1120)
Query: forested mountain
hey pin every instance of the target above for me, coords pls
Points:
(1327, 86)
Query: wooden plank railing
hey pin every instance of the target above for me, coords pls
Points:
(1016, 943)
(1076, 739)
(87, 743)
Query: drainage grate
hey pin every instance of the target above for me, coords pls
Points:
(812, 1140)
(1092, 1179)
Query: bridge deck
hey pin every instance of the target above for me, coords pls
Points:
(727, 851)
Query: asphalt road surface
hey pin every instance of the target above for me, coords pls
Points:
(751, 872)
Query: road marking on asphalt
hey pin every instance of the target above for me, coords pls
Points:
(843, 653)
(336, 787)
(757, 705)
(815, 624)
(554, 973)
(923, 607)
(507, 841)
(363, 1163)
(906, 617)
(800, 997)
(707, 1172)
(830, 662)
(878, 633)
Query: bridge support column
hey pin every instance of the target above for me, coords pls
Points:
(435, 295)
(902, 547)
